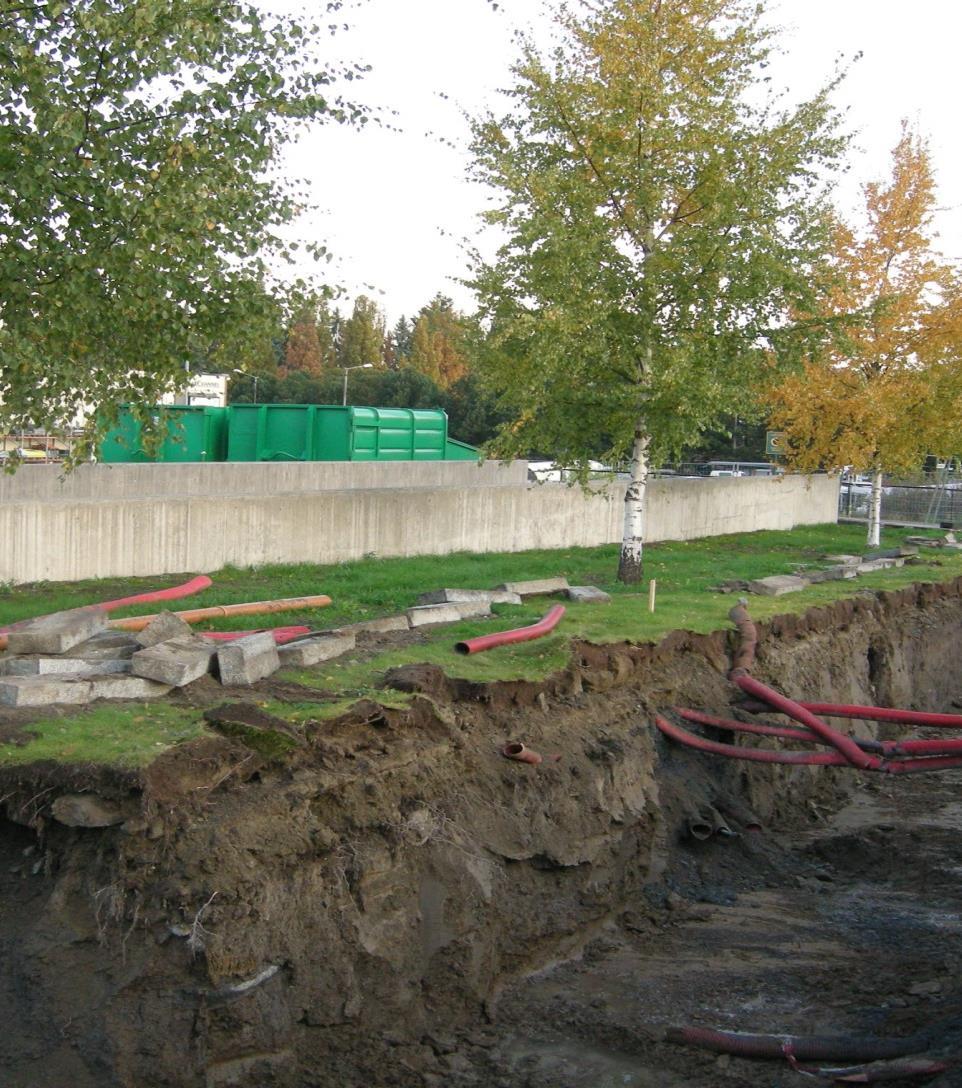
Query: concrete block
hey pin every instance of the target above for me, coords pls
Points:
(248, 660)
(312, 651)
(51, 666)
(879, 564)
(588, 594)
(447, 613)
(831, 574)
(56, 634)
(108, 643)
(846, 560)
(119, 686)
(469, 596)
(86, 810)
(162, 628)
(776, 585)
(176, 662)
(44, 690)
(536, 588)
(382, 625)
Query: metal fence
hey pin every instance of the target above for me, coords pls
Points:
(935, 505)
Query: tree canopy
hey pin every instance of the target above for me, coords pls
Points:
(889, 391)
(138, 210)
(664, 214)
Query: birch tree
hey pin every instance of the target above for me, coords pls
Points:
(890, 391)
(661, 211)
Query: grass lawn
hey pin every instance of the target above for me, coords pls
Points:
(685, 573)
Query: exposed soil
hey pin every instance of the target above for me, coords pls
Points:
(385, 900)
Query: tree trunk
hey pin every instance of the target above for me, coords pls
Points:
(632, 541)
(875, 511)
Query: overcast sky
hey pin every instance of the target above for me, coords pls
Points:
(394, 205)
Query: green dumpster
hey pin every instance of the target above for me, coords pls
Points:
(193, 433)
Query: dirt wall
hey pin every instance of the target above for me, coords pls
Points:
(325, 917)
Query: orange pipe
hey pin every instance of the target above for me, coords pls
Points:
(250, 608)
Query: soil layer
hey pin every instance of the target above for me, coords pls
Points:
(383, 899)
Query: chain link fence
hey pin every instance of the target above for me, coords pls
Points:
(934, 505)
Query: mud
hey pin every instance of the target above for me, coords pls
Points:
(384, 900)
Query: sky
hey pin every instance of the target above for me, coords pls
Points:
(393, 203)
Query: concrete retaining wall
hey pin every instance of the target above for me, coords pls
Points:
(243, 520)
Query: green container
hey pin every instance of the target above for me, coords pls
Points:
(193, 433)
(332, 432)
(459, 451)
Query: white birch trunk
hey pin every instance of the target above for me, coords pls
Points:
(632, 541)
(875, 511)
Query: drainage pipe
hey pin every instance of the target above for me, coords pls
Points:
(802, 1047)
(173, 593)
(843, 744)
(521, 753)
(875, 1072)
(544, 626)
(249, 608)
(744, 656)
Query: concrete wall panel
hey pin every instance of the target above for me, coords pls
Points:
(65, 540)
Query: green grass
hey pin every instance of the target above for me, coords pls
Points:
(124, 736)
(685, 573)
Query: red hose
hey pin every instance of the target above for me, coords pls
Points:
(841, 743)
(786, 732)
(195, 585)
(520, 634)
(281, 634)
(801, 1047)
(885, 714)
(754, 755)
(186, 589)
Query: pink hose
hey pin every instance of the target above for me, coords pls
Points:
(801, 1047)
(885, 714)
(195, 585)
(281, 634)
(520, 634)
(843, 744)
(753, 755)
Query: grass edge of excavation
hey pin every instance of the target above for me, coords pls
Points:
(685, 571)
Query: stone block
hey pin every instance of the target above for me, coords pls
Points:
(52, 666)
(536, 588)
(846, 560)
(382, 625)
(879, 564)
(831, 574)
(119, 686)
(57, 633)
(447, 613)
(109, 643)
(469, 596)
(44, 690)
(86, 810)
(163, 627)
(588, 594)
(312, 651)
(176, 662)
(776, 585)
(248, 660)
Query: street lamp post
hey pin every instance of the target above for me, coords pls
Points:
(347, 370)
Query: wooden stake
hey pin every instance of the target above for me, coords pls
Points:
(652, 590)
